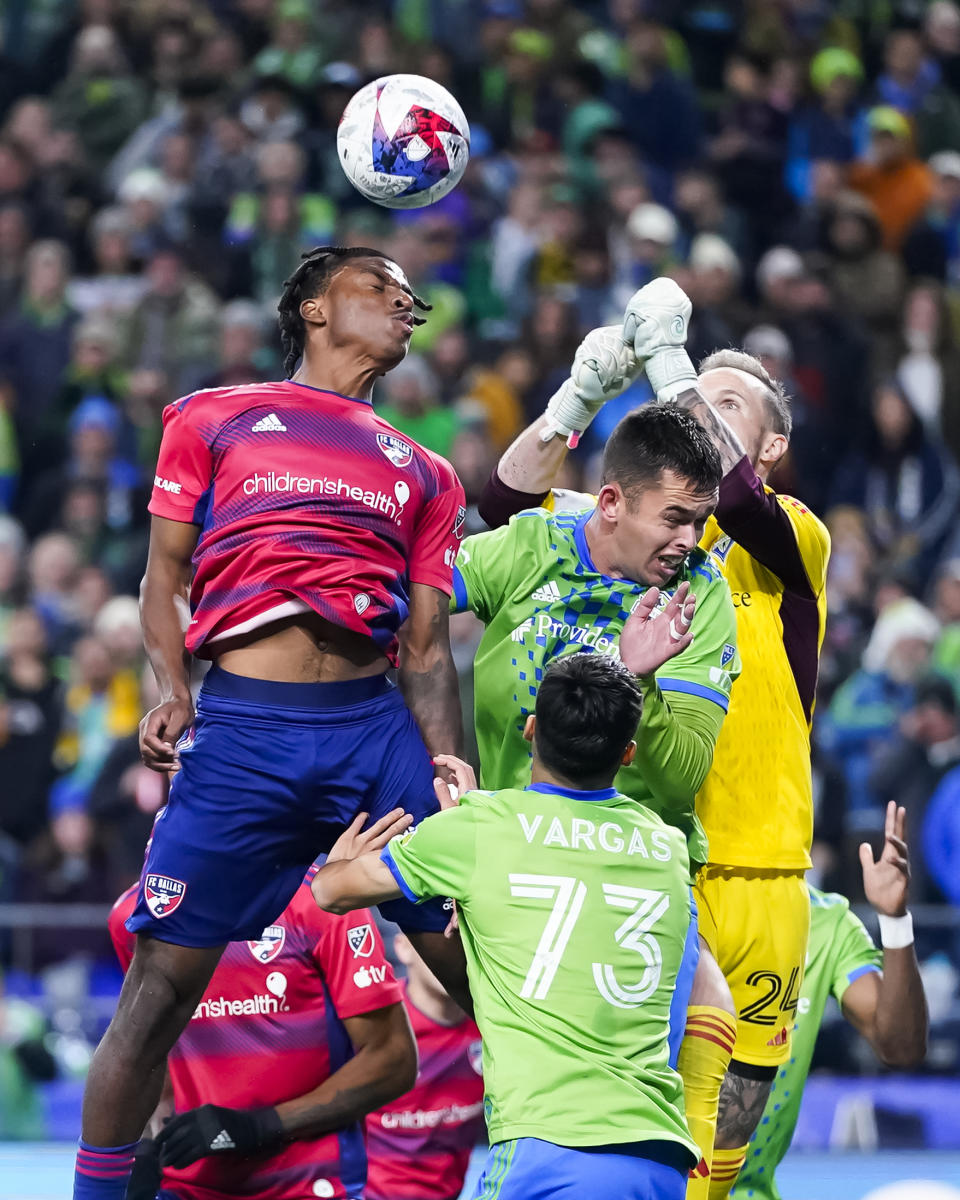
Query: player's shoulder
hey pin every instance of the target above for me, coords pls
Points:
(805, 520)
(217, 406)
(124, 905)
(827, 906)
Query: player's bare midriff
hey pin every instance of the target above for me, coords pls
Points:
(301, 649)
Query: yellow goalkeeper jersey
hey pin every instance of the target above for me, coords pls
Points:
(757, 802)
(756, 805)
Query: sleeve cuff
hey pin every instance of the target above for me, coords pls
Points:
(866, 969)
(695, 689)
(390, 863)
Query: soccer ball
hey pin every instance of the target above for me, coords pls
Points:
(403, 141)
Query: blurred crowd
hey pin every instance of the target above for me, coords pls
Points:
(794, 164)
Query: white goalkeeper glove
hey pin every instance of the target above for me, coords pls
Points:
(655, 326)
(603, 367)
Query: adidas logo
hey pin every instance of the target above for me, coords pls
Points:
(779, 1038)
(271, 423)
(548, 592)
(517, 635)
(223, 1140)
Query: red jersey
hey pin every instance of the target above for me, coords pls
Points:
(419, 1146)
(270, 1028)
(306, 500)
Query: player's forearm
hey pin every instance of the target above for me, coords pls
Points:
(528, 468)
(431, 689)
(373, 1077)
(728, 445)
(899, 1035)
(675, 743)
(349, 883)
(164, 1110)
(163, 636)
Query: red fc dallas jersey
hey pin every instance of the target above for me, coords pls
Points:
(270, 1028)
(305, 500)
(419, 1146)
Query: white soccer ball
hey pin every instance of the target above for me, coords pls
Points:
(403, 141)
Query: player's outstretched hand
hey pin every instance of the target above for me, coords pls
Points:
(650, 639)
(603, 367)
(355, 840)
(211, 1129)
(464, 779)
(655, 324)
(160, 730)
(887, 882)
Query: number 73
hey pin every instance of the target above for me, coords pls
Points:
(568, 896)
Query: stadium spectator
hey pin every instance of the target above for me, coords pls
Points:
(891, 175)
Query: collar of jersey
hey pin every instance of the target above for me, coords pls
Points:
(554, 789)
(327, 392)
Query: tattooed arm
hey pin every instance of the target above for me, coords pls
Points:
(427, 675)
(726, 441)
(742, 1101)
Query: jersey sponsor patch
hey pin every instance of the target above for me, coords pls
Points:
(365, 976)
(399, 452)
(727, 654)
(360, 940)
(361, 602)
(167, 485)
(266, 948)
(163, 894)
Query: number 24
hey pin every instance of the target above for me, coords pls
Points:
(568, 896)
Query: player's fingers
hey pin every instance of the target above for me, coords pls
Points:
(447, 794)
(680, 643)
(890, 821)
(356, 825)
(899, 845)
(380, 832)
(900, 828)
(866, 855)
(646, 604)
(463, 774)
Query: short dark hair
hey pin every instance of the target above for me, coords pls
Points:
(311, 279)
(588, 709)
(778, 402)
(657, 438)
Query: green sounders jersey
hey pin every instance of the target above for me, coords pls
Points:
(840, 950)
(575, 917)
(533, 584)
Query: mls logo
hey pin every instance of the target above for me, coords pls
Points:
(460, 523)
(475, 1055)
(360, 940)
(727, 655)
(163, 894)
(266, 948)
(395, 449)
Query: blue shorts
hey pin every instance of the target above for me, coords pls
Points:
(529, 1169)
(270, 776)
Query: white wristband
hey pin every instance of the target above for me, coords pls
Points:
(896, 932)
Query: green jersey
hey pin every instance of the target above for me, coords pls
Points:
(535, 587)
(575, 916)
(840, 950)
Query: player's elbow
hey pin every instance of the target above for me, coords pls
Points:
(901, 1048)
(328, 896)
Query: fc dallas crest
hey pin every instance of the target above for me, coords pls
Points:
(163, 894)
(399, 452)
(266, 948)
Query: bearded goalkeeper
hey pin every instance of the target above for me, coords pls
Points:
(756, 803)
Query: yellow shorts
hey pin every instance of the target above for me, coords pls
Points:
(757, 924)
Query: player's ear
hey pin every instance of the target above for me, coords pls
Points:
(629, 754)
(773, 448)
(312, 311)
(529, 728)
(610, 501)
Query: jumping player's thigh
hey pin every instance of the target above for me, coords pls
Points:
(757, 924)
(531, 1169)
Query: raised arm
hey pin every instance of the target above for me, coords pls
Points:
(427, 675)
(164, 613)
(890, 1008)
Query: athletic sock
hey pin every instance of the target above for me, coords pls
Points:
(704, 1057)
(102, 1172)
(726, 1168)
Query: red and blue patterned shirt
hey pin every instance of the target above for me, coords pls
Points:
(306, 501)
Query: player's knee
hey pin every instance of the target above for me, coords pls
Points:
(709, 986)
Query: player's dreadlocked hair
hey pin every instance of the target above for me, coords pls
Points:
(311, 279)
